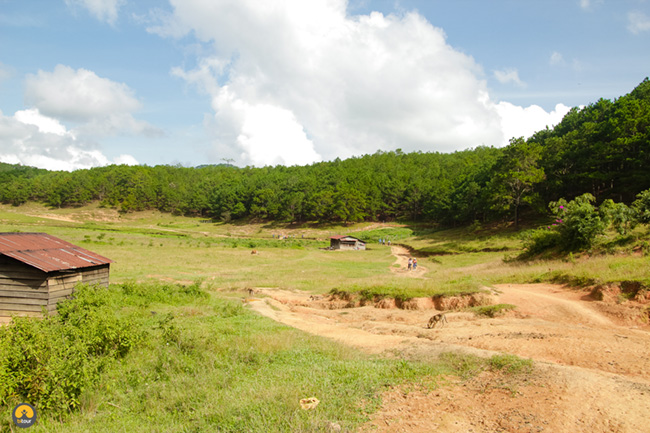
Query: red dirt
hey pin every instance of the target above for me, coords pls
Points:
(592, 361)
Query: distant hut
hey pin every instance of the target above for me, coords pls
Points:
(346, 243)
(38, 270)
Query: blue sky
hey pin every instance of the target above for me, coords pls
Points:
(87, 83)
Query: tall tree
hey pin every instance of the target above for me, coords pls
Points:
(517, 173)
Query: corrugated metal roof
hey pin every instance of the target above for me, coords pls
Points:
(48, 253)
(345, 238)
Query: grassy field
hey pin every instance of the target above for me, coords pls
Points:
(156, 246)
(204, 363)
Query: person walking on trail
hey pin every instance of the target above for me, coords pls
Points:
(410, 264)
(415, 263)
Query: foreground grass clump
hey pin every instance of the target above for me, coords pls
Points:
(467, 366)
(404, 292)
(492, 310)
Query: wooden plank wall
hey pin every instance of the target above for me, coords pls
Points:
(97, 275)
(61, 287)
(23, 289)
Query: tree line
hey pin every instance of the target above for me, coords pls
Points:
(602, 149)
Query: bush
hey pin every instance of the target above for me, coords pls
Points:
(641, 207)
(51, 361)
(541, 240)
(578, 222)
(622, 217)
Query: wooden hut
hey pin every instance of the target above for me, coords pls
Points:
(38, 270)
(346, 243)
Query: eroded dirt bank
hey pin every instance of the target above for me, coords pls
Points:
(592, 375)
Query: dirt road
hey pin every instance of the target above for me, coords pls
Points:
(592, 364)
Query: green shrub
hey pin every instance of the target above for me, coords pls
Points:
(578, 222)
(51, 361)
(541, 240)
(641, 207)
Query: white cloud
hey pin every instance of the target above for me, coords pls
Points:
(589, 4)
(100, 106)
(103, 10)
(44, 124)
(523, 122)
(306, 82)
(638, 22)
(509, 76)
(77, 95)
(30, 138)
(70, 110)
(556, 58)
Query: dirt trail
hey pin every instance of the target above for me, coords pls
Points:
(402, 257)
(592, 367)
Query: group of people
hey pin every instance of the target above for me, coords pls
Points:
(412, 264)
(384, 241)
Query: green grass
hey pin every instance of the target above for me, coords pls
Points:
(492, 310)
(204, 363)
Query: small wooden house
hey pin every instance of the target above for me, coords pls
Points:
(346, 243)
(38, 270)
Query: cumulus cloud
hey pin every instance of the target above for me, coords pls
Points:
(305, 81)
(638, 22)
(103, 10)
(509, 76)
(523, 122)
(98, 105)
(77, 95)
(70, 112)
(30, 138)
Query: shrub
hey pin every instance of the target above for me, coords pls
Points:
(51, 361)
(578, 222)
(541, 240)
(622, 217)
(641, 207)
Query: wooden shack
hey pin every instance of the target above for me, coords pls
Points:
(346, 243)
(38, 270)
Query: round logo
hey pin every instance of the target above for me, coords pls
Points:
(24, 415)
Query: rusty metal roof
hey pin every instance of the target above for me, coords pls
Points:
(345, 237)
(48, 253)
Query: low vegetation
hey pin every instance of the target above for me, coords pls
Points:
(492, 310)
(170, 342)
(186, 360)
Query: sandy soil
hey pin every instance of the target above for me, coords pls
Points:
(592, 360)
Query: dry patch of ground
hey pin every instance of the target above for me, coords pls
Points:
(592, 369)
